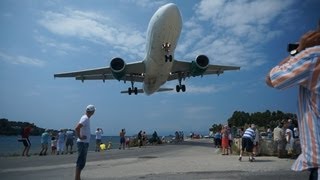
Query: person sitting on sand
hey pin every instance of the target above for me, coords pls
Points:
(102, 147)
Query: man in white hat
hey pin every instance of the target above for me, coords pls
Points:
(83, 133)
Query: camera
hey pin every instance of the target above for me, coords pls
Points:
(292, 46)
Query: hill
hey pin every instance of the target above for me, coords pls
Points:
(13, 128)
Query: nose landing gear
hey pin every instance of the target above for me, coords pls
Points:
(166, 46)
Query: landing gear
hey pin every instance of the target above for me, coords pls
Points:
(168, 58)
(166, 46)
(132, 89)
(180, 86)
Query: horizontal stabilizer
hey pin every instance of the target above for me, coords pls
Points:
(165, 89)
(141, 90)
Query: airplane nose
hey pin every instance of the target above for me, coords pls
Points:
(171, 11)
(171, 8)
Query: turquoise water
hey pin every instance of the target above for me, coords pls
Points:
(9, 145)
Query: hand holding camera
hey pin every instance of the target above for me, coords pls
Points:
(309, 39)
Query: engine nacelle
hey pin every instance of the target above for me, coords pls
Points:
(199, 66)
(118, 67)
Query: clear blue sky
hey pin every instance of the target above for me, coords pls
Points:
(40, 38)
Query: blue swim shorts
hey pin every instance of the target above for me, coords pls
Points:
(82, 154)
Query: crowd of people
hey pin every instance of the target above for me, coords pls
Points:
(62, 141)
(224, 139)
(283, 136)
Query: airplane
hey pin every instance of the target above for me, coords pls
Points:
(159, 64)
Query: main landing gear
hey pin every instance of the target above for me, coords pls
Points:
(181, 87)
(166, 46)
(132, 89)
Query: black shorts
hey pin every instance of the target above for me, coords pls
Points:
(26, 142)
(247, 144)
(69, 142)
(98, 141)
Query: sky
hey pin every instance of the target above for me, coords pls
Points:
(41, 38)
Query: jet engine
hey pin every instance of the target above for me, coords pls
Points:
(118, 67)
(199, 66)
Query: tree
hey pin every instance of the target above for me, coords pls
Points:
(215, 128)
(261, 119)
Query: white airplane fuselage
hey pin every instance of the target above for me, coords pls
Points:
(164, 27)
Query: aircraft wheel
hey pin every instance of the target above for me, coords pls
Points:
(170, 58)
(129, 91)
(183, 88)
(178, 88)
(135, 91)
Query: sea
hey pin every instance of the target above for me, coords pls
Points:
(10, 146)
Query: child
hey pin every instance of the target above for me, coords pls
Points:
(109, 145)
(53, 145)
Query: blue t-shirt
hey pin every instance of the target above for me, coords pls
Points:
(45, 138)
(217, 136)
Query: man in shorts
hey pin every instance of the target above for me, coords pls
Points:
(247, 142)
(25, 139)
(83, 133)
(69, 141)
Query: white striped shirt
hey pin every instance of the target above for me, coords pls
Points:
(304, 70)
(249, 133)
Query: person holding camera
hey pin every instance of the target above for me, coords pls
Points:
(99, 133)
(302, 69)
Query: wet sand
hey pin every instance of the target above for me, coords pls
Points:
(195, 159)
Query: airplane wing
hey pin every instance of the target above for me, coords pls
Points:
(131, 72)
(182, 69)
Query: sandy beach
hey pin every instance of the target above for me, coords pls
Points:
(195, 159)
